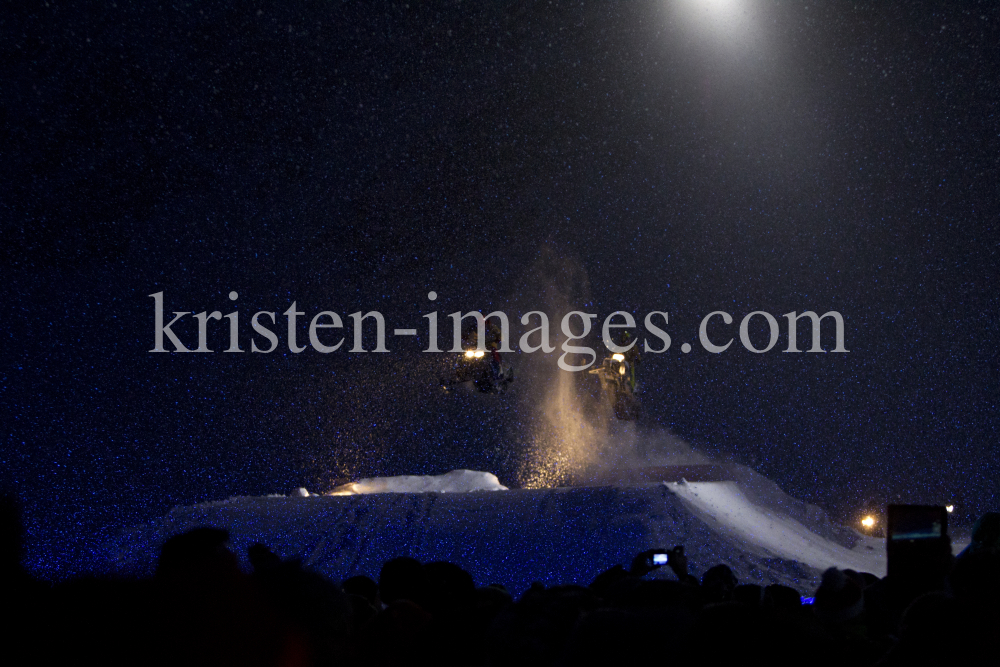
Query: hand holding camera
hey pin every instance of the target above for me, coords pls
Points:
(647, 561)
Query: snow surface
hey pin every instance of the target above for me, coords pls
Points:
(553, 536)
(456, 481)
(771, 532)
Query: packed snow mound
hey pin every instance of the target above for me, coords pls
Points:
(456, 481)
(553, 536)
(770, 531)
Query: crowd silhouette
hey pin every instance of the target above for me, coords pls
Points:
(201, 608)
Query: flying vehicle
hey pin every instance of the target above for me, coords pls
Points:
(480, 368)
(618, 383)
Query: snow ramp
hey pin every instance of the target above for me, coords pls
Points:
(516, 537)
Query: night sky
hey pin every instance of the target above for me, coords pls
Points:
(670, 155)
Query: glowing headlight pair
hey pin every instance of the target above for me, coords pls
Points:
(470, 354)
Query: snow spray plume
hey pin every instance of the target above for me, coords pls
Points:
(563, 440)
(574, 433)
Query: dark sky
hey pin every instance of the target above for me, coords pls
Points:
(742, 156)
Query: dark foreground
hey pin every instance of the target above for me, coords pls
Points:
(201, 608)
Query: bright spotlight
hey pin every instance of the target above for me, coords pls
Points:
(470, 353)
(479, 353)
(618, 357)
(949, 508)
(720, 7)
(732, 26)
(868, 521)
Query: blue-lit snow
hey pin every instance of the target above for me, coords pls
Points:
(516, 537)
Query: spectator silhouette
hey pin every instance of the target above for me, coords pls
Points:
(364, 587)
(401, 578)
(718, 584)
(210, 612)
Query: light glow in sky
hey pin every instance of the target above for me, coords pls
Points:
(731, 26)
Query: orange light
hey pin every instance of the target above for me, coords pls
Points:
(868, 521)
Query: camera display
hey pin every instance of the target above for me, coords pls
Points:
(917, 522)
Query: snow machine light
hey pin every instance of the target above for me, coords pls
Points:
(949, 508)
(618, 357)
(868, 521)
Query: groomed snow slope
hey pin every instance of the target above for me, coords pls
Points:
(725, 506)
(555, 536)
